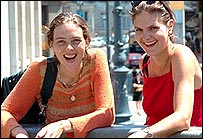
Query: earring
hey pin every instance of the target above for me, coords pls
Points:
(170, 33)
(86, 50)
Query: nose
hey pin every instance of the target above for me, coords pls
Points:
(146, 35)
(69, 46)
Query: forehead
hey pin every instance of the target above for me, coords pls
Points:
(146, 19)
(68, 29)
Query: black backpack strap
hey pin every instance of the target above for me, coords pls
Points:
(49, 80)
(48, 85)
(145, 66)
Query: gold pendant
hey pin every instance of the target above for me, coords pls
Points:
(72, 98)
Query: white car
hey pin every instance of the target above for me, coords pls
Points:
(97, 42)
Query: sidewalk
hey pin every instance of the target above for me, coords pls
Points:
(137, 119)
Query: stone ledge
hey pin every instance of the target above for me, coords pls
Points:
(120, 131)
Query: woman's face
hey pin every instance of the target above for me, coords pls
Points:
(150, 33)
(69, 44)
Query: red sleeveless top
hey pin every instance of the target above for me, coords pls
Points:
(158, 99)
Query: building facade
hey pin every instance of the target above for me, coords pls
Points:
(20, 34)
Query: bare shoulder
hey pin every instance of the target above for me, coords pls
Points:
(183, 53)
(183, 48)
(185, 64)
(183, 59)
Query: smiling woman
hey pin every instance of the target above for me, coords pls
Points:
(169, 70)
(82, 97)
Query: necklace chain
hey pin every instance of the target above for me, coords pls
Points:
(73, 98)
(64, 83)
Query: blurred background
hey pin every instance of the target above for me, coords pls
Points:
(23, 27)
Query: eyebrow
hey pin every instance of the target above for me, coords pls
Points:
(59, 38)
(75, 37)
(136, 27)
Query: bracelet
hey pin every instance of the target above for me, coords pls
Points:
(13, 129)
(16, 127)
(148, 131)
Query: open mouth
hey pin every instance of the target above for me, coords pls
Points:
(148, 44)
(70, 57)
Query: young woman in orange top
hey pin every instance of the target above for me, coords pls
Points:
(82, 98)
(172, 90)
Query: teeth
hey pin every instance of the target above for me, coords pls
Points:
(69, 56)
(150, 43)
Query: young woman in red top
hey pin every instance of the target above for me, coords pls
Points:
(82, 98)
(172, 91)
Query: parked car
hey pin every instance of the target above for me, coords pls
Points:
(97, 42)
(133, 60)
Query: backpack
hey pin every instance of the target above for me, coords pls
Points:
(35, 115)
(145, 66)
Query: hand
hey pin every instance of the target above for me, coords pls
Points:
(54, 130)
(19, 132)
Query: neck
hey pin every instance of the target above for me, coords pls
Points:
(69, 79)
(161, 64)
(162, 59)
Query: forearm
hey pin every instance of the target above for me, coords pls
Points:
(170, 125)
(164, 128)
(99, 118)
(8, 122)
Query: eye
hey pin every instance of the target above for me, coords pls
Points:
(60, 42)
(138, 29)
(75, 41)
(154, 28)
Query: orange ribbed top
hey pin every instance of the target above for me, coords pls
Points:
(93, 107)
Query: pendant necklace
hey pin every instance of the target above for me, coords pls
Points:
(65, 85)
(72, 98)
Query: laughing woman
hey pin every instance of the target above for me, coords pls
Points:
(82, 98)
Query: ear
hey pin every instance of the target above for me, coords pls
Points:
(170, 25)
(87, 43)
(51, 46)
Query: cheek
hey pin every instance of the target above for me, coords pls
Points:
(162, 36)
(83, 46)
(58, 54)
(137, 37)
